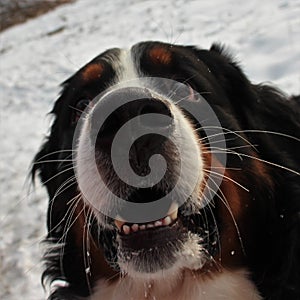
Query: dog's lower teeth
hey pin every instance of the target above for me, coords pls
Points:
(126, 229)
(158, 223)
(167, 221)
(135, 227)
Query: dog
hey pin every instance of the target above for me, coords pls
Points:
(197, 199)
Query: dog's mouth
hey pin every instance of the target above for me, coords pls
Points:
(126, 228)
(147, 235)
(148, 248)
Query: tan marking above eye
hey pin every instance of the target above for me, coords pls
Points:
(92, 71)
(160, 55)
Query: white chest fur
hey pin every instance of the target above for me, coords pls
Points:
(226, 285)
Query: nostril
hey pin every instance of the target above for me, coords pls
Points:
(110, 126)
(118, 108)
(153, 106)
(148, 109)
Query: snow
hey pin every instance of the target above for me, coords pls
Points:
(38, 55)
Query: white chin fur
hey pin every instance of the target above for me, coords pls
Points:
(233, 285)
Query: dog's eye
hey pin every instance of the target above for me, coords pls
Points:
(183, 91)
(193, 95)
(82, 104)
(79, 108)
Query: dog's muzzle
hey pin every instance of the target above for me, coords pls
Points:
(137, 155)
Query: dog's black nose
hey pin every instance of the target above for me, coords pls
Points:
(143, 118)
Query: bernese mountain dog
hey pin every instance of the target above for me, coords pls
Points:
(171, 176)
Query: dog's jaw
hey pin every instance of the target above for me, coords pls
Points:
(188, 255)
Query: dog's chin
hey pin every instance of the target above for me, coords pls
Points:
(154, 253)
(151, 250)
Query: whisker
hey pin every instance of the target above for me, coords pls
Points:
(67, 227)
(271, 163)
(56, 152)
(259, 159)
(70, 202)
(69, 224)
(228, 178)
(224, 200)
(234, 148)
(114, 276)
(220, 150)
(227, 168)
(268, 132)
(63, 187)
(52, 161)
(86, 246)
(280, 134)
(228, 150)
(214, 220)
(77, 109)
(58, 174)
(227, 131)
(214, 142)
(41, 239)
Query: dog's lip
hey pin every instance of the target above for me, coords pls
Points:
(127, 228)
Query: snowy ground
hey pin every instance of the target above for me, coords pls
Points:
(36, 56)
(14, 12)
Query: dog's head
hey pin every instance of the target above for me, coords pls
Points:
(151, 169)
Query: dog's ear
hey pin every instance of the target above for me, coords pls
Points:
(256, 106)
(228, 75)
